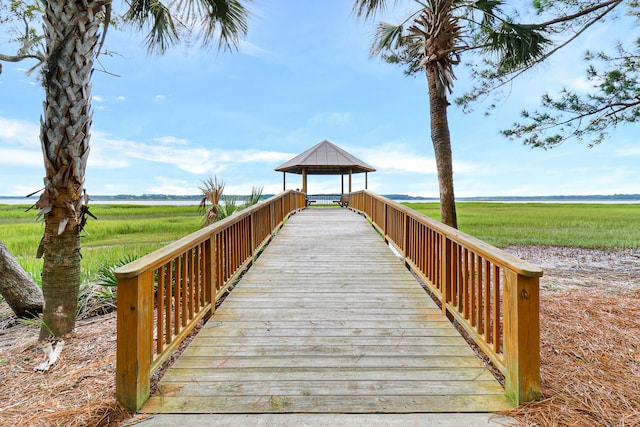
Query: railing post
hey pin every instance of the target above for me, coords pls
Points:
(522, 337)
(134, 340)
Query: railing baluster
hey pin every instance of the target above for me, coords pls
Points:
(160, 310)
(176, 295)
(168, 302)
(487, 302)
(497, 320)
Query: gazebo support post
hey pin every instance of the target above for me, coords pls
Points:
(350, 180)
(284, 181)
(342, 185)
(366, 180)
(304, 180)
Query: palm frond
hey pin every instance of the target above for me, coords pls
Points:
(488, 9)
(388, 37)
(369, 8)
(227, 208)
(256, 194)
(214, 21)
(517, 45)
(225, 20)
(153, 13)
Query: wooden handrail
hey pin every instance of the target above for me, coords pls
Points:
(163, 295)
(492, 294)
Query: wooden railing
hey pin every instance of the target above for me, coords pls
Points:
(162, 296)
(493, 295)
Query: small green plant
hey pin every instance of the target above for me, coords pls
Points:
(106, 273)
(256, 195)
(228, 208)
(39, 322)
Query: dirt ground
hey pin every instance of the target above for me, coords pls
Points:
(590, 351)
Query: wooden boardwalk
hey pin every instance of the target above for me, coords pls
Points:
(328, 320)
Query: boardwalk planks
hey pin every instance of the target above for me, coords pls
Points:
(327, 320)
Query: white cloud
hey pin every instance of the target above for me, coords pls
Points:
(18, 132)
(97, 98)
(171, 140)
(252, 156)
(110, 153)
(17, 157)
(172, 186)
(627, 152)
(121, 98)
(251, 49)
(580, 84)
(398, 158)
(159, 98)
(332, 119)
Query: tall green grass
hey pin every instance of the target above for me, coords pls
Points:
(134, 230)
(120, 231)
(549, 224)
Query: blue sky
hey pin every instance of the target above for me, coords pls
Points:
(303, 75)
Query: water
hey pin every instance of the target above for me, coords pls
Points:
(194, 202)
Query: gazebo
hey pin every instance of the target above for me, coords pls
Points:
(325, 158)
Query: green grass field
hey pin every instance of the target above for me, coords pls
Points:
(135, 230)
(120, 231)
(549, 224)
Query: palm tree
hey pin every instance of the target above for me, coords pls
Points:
(213, 209)
(212, 190)
(432, 39)
(72, 42)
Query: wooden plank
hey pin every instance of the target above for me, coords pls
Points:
(268, 325)
(329, 350)
(332, 387)
(325, 404)
(328, 319)
(240, 330)
(355, 341)
(301, 367)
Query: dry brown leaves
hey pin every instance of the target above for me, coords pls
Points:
(79, 390)
(590, 357)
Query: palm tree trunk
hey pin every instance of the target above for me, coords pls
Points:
(71, 34)
(60, 272)
(441, 140)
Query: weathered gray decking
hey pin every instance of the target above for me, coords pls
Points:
(327, 320)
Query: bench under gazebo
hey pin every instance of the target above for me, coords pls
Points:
(325, 158)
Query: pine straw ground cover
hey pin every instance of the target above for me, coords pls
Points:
(590, 360)
(78, 390)
(590, 350)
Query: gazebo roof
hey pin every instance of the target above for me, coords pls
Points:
(325, 158)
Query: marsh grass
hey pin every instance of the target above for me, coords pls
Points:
(547, 224)
(121, 231)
